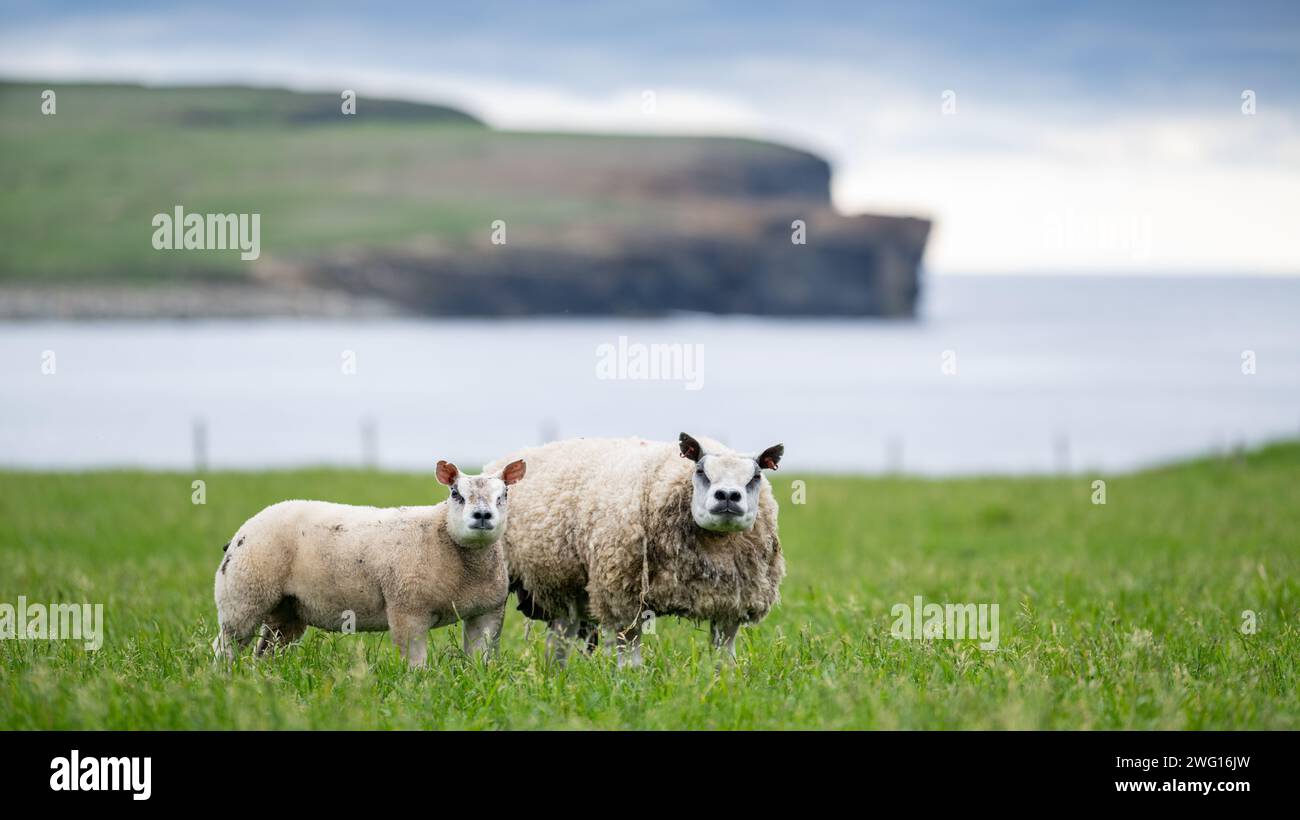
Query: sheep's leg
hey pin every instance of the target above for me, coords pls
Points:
(410, 632)
(482, 634)
(629, 646)
(724, 639)
(561, 634)
(589, 636)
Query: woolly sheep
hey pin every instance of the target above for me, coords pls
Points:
(405, 569)
(610, 532)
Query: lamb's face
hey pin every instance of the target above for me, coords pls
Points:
(726, 485)
(476, 511)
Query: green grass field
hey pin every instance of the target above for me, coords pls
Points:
(1126, 615)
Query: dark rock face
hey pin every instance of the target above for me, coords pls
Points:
(641, 226)
(849, 266)
(718, 237)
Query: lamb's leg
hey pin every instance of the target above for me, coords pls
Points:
(221, 647)
(724, 639)
(482, 634)
(268, 638)
(282, 628)
(410, 632)
(228, 642)
(278, 635)
(240, 613)
(629, 646)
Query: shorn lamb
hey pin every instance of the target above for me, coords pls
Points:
(345, 568)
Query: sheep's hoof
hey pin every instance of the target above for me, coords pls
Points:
(630, 658)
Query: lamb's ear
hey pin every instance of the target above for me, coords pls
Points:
(771, 457)
(513, 471)
(690, 447)
(447, 473)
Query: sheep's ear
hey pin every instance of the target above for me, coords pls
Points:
(690, 447)
(771, 457)
(447, 473)
(513, 471)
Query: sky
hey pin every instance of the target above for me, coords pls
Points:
(1108, 137)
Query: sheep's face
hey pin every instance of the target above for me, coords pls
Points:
(476, 511)
(726, 485)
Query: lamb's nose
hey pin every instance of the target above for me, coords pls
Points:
(721, 495)
(734, 495)
(481, 515)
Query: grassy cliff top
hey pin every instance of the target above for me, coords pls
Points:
(83, 185)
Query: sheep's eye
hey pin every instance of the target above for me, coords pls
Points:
(455, 493)
(755, 479)
(504, 494)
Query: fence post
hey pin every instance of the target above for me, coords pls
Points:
(369, 443)
(894, 455)
(1061, 447)
(199, 444)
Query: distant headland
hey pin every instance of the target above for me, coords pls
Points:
(400, 208)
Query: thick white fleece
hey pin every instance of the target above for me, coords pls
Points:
(604, 526)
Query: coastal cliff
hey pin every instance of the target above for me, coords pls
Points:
(404, 208)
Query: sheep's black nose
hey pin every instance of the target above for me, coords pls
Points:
(721, 495)
(734, 495)
(481, 515)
